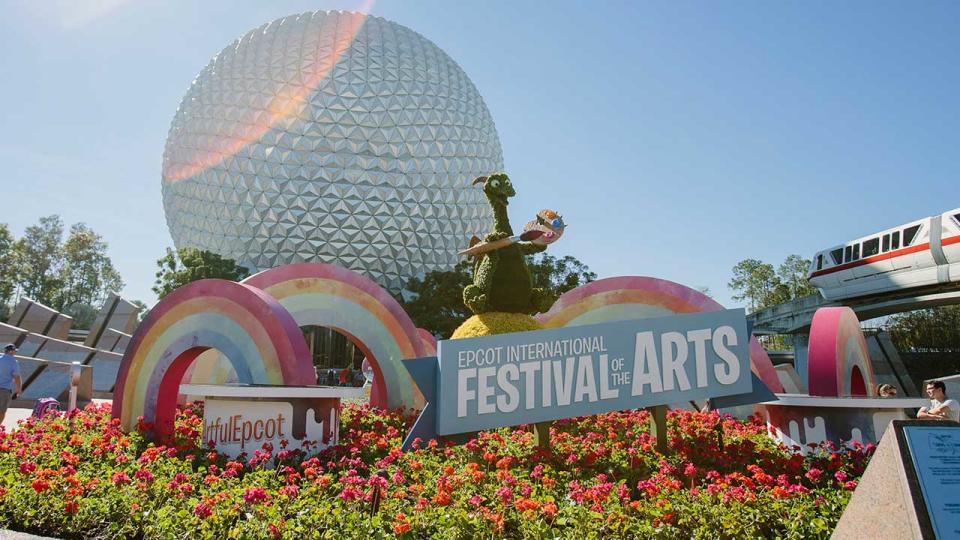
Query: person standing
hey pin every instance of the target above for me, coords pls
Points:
(941, 408)
(10, 383)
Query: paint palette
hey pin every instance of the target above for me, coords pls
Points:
(549, 223)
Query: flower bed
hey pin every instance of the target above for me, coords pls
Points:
(78, 475)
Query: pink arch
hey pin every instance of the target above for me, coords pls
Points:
(263, 340)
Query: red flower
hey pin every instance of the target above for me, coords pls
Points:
(40, 485)
(442, 498)
(71, 507)
(523, 504)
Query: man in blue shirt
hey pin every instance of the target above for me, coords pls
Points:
(10, 383)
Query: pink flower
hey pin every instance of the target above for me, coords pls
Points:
(813, 474)
(350, 494)
(840, 476)
(255, 495)
(202, 511)
(120, 478)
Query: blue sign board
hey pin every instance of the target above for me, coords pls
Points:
(528, 377)
(935, 451)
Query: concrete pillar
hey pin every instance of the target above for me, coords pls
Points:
(801, 343)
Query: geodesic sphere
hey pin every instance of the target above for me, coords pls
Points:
(333, 137)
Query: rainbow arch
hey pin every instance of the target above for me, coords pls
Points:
(838, 361)
(354, 305)
(261, 340)
(636, 297)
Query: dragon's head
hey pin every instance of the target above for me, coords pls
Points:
(497, 187)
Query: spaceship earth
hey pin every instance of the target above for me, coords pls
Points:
(334, 137)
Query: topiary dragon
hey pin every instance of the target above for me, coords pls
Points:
(501, 279)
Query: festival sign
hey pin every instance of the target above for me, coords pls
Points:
(240, 419)
(529, 377)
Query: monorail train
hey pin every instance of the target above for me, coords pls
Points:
(921, 253)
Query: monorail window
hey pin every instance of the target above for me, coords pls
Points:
(820, 262)
(908, 234)
(871, 247)
(956, 217)
(856, 252)
(837, 255)
(895, 240)
(848, 254)
(886, 243)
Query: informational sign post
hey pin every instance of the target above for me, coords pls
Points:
(529, 377)
(935, 456)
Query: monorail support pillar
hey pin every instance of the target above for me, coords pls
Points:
(801, 343)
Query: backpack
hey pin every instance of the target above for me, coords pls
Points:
(44, 405)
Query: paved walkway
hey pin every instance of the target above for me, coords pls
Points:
(14, 535)
(10, 422)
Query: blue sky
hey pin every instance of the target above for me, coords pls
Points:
(677, 138)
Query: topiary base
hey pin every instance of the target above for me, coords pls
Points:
(495, 322)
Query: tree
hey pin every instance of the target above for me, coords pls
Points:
(185, 265)
(40, 259)
(142, 309)
(793, 275)
(558, 276)
(934, 329)
(9, 265)
(84, 315)
(761, 286)
(437, 303)
(437, 298)
(754, 281)
(73, 277)
(86, 275)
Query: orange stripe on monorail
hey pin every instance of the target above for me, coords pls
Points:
(885, 256)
